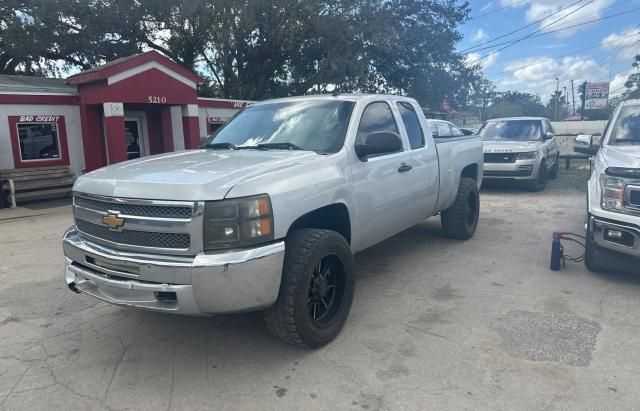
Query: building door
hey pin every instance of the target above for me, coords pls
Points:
(136, 134)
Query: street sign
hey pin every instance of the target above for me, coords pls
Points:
(597, 96)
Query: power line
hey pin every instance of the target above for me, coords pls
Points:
(561, 29)
(500, 73)
(475, 48)
(532, 33)
(519, 29)
(497, 10)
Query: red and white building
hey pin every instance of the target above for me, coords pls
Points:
(132, 107)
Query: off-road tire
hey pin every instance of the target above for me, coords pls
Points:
(553, 174)
(591, 254)
(461, 219)
(541, 179)
(289, 318)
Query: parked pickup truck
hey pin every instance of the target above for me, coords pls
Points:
(521, 149)
(268, 213)
(613, 195)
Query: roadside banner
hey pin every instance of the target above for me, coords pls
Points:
(597, 96)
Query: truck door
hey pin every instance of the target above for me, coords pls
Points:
(424, 158)
(382, 184)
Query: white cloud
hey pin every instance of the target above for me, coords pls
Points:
(617, 82)
(627, 42)
(540, 78)
(576, 14)
(486, 7)
(479, 35)
(472, 58)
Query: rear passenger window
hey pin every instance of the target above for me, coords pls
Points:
(376, 117)
(433, 128)
(411, 124)
(443, 130)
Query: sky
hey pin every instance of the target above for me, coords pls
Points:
(563, 46)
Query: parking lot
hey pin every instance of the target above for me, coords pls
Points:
(435, 324)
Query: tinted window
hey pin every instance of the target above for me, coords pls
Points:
(515, 130)
(443, 129)
(455, 131)
(376, 117)
(412, 124)
(313, 124)
(627, 127)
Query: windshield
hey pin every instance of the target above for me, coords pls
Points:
(315, 125)
(514, 130)
(627, 127)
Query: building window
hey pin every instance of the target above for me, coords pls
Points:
(38, 141)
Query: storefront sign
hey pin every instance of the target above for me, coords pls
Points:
(217, 120)
(597, 96)
(38, 119)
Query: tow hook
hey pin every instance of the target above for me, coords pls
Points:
(72, 287)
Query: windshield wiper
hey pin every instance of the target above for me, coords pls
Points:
(278, 146)
(221, 146)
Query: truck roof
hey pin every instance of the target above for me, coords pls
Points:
(518, 118)
(344, 97)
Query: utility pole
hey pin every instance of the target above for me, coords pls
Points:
(566, 100)
(583, 87)
(555, 112)
(573, 97)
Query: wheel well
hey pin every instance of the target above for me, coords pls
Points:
(470, 171)
(332, 217)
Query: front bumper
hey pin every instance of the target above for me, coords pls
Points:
(519, 170)
(207, 284)
(628, 243)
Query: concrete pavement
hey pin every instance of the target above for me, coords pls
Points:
(435, 324)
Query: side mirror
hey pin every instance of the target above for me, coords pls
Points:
(548, 135)
(585, 144)
(382, 142)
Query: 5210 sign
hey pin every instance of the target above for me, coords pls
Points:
(156, 99)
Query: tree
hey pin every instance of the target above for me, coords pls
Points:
(632, 84)
(515, 103)
(559, 111)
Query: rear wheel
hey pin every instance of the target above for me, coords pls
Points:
(316, 290)
(541, 180)
(461, 219)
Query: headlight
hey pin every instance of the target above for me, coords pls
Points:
(237, 222)
(613, 192)
(527, 156)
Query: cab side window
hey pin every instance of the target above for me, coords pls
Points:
(443, 129)
(376, 117)
(434, 129)
(455, 131)
(411, 124)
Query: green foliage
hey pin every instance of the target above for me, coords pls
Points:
(514, 104)
(632, 84)
(557, 112)
(254, 49)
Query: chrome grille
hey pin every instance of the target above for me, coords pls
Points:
(134, 209)
(138, 238)
(148, 226)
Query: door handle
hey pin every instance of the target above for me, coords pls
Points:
(404, 167)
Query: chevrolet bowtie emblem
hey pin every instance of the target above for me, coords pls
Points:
(112, 221)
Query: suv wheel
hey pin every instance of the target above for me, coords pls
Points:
(553, 174)
(461, 219)
(316, 290)
(591, 254)
(541, 180)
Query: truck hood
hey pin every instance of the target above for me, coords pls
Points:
(510, 146)
(194, 175)
(622, 156)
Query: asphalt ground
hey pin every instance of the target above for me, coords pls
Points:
(435, 324)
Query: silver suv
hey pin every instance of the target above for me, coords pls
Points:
(520, 148)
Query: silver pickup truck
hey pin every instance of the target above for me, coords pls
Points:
(613, 195)
(268, 213)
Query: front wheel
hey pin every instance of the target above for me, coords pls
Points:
(316, 291)
(461, 219)
(591, 254)
(541, 180)
(553, 174)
